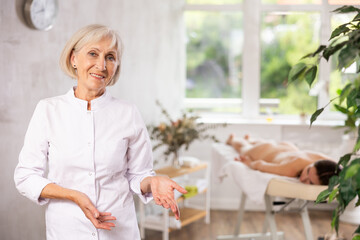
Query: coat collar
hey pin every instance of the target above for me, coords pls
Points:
(96, 103)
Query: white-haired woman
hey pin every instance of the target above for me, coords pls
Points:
(96, 147)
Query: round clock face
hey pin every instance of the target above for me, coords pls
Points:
(41, 14)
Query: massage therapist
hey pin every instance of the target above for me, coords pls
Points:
(86, 153)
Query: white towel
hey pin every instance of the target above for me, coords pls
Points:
(201, 185)
(251, 182)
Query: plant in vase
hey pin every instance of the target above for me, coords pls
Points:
(179, 133)
(344, 45)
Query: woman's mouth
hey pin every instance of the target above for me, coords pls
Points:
(97, 76)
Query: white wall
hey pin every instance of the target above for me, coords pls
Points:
(152, 69)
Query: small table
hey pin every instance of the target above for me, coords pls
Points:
(187, 214)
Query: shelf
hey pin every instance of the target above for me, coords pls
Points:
(162, 222)
(172, 172)
(189, 215)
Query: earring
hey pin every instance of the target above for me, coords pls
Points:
(74, 66)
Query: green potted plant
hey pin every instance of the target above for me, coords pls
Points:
(179, 133)
(344, 44)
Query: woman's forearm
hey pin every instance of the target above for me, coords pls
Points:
(274, 168)
(101, 220)
(55, 191)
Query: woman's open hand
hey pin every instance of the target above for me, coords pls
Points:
(162, 188)
(99, 219)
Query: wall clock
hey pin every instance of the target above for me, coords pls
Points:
(40, 14)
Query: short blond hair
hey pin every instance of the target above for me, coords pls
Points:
(89, 34)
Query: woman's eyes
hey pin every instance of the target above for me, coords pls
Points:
(108, 57)
(93, 54)
(111, 58)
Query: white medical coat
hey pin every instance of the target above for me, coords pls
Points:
(104, 153)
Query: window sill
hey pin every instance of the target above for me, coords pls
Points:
(267, 120)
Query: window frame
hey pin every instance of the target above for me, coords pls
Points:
(252, 11)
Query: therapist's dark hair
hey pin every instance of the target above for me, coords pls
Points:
(326, 169)
(90, 34)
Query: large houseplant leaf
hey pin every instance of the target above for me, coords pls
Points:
(344, 44)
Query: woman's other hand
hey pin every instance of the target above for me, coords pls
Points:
(101, 220)
(245, 160)
(98, 219)
(162, 188)
(250, 163)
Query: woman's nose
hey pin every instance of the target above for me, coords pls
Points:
(101, 64)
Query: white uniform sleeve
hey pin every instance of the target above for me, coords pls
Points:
(29, 173)
(140, 159)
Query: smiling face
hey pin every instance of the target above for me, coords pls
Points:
(309, 175)
(96, 64)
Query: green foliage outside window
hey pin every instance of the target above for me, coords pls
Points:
(209, 36)
(209, 59)
(285, 38)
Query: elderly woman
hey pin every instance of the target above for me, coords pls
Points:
(285, 159)
(96, 148)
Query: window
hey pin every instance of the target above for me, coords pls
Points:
(213, 1)
(343, 2)
(239, 54)
(285, 37)
(214, 56)
(292, 2)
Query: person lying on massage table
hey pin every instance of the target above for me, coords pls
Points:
(285, 159)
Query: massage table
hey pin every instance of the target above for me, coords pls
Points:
(263, 186)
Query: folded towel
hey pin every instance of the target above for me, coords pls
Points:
(201, 185)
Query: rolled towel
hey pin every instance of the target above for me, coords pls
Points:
(191, 191)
